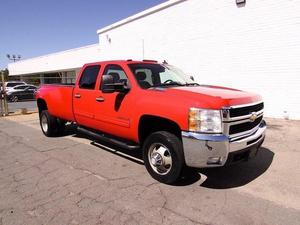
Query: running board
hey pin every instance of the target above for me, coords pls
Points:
(111, 140)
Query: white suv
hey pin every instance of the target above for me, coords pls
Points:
(10, 84)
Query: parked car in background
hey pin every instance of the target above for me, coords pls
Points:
(10, 84)
(21, 92)
(19, 88)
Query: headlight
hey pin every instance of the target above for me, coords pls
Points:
(205, 120)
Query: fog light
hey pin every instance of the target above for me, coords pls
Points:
(214, 160)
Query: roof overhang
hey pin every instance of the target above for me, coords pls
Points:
(140, 15)
(57, 62)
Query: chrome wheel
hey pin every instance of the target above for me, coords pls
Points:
(44, 122)
(15, 99)
(160, 158)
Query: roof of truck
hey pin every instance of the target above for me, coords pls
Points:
(128, 61)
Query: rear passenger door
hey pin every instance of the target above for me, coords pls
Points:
(84, 96)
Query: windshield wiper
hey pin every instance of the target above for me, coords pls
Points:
(169, 84)
(192, 84)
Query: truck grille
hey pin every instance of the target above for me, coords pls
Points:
(237, 119)
(235, 112)
(242, 127)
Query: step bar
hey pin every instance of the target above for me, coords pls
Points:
(109, 139)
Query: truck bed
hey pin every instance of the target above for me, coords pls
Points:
(59, 100)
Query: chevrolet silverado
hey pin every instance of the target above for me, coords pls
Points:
(156, 108)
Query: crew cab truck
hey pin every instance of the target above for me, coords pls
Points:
(154, 107)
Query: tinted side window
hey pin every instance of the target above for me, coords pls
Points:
(147, 72)
(117, 73)
(89, 77)
(20, 87)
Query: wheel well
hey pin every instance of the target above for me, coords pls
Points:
(150, 124)
(42, 105)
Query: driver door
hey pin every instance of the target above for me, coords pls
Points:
(113, 111)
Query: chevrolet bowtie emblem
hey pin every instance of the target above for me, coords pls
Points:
(253, 116)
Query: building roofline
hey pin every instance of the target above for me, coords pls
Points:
(54, 53)
(23, 73)
(140, 15)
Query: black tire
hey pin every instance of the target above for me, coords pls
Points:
(49, 124)
(61, 126)
(163, 173)
(9, 99)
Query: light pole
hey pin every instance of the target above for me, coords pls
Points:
(13, 57)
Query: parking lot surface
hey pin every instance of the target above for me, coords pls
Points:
(17, 106)
(71, 180)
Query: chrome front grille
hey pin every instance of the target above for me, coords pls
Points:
(242, 127)
(242, 120)
(242, 111)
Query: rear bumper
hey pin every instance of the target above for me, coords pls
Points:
(210, 150)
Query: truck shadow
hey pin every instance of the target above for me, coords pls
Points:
(238, 175)
(226, 177)
(70, 129)
(132, 155)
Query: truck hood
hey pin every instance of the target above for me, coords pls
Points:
(214, 97)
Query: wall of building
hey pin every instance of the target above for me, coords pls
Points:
(254, 48)
(57, 62)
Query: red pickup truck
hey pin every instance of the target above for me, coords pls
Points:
(155, 107)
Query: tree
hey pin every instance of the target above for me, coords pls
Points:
(6, 73)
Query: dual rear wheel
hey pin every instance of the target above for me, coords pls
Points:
(50, 125)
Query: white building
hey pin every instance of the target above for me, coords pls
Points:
(254, 46)
(61, 66)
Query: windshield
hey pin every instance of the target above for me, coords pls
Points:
(159, 75)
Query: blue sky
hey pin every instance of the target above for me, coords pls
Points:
(35, 27)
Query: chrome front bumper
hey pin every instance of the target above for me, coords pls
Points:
(212, 150)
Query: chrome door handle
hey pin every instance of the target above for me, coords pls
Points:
(100, 99)
(77, 96)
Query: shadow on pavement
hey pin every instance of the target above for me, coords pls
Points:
(238, 174)
(226, 177)
(190, 176)
(132, 155)
(274, 127)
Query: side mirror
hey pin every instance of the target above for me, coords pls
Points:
(192, 78)
(108, 85)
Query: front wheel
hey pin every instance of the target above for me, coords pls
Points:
(163, 156)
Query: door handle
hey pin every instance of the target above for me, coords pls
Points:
(77, 96)
(100, 99)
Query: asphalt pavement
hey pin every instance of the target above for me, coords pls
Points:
(72, 180)
(17, 106)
